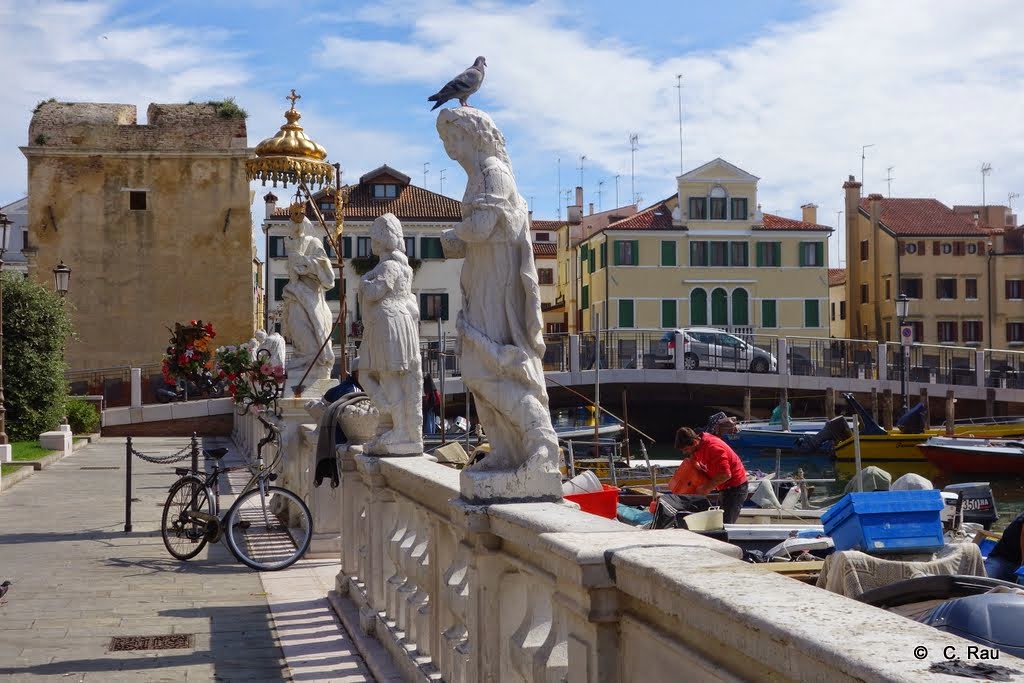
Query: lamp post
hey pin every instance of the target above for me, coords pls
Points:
(61, 279)
(906, 337)
(4, 226)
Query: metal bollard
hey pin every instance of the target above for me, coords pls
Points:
(128, 486)
(195, 454)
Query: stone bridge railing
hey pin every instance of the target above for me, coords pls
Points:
(545, 592)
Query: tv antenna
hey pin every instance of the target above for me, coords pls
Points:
(863, 156)
(426, 170)
(583, 157)
(986, 168)
(1009, 199)
(442, 179)
(559, 200)
(634, 145)
(679, 87)
(888, 181)
(616, 191)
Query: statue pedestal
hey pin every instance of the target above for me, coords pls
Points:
(312, 389)
(528, 484)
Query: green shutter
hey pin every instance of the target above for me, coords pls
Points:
(811, 313)
(332, 293)
(585, 297)
(777, 253)
(423, 307)
(768, 316)
(444, 306)
(819, 254)
(636, 253)
(698, 307)
(740, 307)
(279, 283)
(760, 254)
(584, 252)
(668, 253)
(625, 313)
(604, 254)
(668, 313)
(346, 246)
(803, 258)
(616, 253)
(719, 307)
(593, 261)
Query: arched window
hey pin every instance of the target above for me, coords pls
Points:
(719, 307)
(740, 307)
(698, 307)
(719, 199)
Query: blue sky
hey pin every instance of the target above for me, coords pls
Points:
(788, 91)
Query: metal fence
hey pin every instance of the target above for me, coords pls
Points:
(1004, 369)
(820, 357)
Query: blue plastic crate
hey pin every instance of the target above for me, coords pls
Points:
(1020, 575)
(886, 522)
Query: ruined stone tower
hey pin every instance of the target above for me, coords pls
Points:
(153, 219)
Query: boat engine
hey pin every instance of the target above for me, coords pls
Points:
(977, 504)
(834, 431)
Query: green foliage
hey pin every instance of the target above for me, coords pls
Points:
(228, 109)
(36, 326)
(41, 103)
(364, 264)
(82, 416)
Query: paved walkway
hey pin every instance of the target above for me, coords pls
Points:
(79, 580)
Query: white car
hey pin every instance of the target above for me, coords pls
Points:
(712, 348)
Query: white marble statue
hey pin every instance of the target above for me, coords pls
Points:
(306, 319)
(500, 329)
(274, 344)
(389, 357)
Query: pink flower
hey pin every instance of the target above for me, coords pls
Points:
(265, 369)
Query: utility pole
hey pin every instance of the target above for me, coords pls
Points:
(888, 180)
(634, 144)
(679, 87)
(863, 156)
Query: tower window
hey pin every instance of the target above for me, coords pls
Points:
(137, 200)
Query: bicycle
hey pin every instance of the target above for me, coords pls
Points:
(267, 527)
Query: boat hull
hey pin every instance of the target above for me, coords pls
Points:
(896, 447)
(974, 458)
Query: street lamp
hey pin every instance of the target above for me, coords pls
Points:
(902, 309)
(4, 226)
(61, 279)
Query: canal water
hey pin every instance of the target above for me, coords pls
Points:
(1008, 489)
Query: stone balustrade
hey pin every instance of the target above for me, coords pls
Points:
(543, 591)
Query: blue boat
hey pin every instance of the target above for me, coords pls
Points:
(803, 438)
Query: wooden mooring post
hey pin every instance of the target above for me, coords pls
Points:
(887, 409)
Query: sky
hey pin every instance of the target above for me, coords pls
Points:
(788, 91)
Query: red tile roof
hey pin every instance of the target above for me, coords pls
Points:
(546, 225)
(836, 276)
(547, 249)
(922, 217)
(773, 222)
(412, 204)
(655, 217)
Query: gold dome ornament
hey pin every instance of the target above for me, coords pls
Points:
(290, 156)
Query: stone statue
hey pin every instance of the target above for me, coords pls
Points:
(500, 329)
(389, 357)
(306, 319)
(275, 346)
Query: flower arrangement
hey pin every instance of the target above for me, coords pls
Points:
(188, 356)
(253, 382)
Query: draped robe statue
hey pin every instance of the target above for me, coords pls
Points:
(500, 328)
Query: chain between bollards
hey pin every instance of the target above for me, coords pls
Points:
(195, 455)
(128, 486)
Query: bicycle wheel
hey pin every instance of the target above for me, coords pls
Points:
(185, 537)
(263, 539)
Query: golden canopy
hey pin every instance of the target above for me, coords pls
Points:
(290, 156)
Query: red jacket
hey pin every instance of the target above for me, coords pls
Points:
(716, 457)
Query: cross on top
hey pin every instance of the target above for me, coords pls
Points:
(293, 97)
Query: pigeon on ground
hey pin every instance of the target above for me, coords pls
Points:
(4, 587)
(462, 86)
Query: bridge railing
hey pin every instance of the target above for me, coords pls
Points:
(1004, 369)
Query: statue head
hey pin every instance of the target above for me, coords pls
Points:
(465, 130)
(297, 212)
(261, 336)
(386, 232)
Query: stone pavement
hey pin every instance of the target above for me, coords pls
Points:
(79, 580)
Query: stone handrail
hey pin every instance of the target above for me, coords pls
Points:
(545, 592)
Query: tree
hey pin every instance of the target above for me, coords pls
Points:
(36, 327)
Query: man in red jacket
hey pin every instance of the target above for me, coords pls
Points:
(723, 467)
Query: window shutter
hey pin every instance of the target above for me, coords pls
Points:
(636, 253)
(625, 313)
(423, 307)
(585, 252)
(981, 247)
(604, 254)
(777, 251)
(698, 307)
(444, 306)
(760, 253)
(346, 247)
(903, 248)
(936, 248)
(1006, 284)
(959, 249)
(585, 297)
(668, 313)
(768, 317)
(616, 253)
(811, 313)
(819, 254)
(693, 254)
(921, 251)
(668, 253)
(592, 261)
(938, 289)
(803, 254)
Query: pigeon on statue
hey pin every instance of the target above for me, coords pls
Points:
(462, 86)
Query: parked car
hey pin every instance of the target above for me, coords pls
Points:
(712, 348)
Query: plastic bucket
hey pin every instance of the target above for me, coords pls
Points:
(584, 482)
(604, 503)
(709, 520)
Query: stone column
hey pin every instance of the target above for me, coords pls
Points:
(136, 387)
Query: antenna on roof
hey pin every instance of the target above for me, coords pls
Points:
(986, 168)
(600, 186)
(426, 167)
(559, 200)
(888, 180)
(863, 156)
(442, 179)
(1009, 199)
(679, 87)
(634, 144)
(616, 191)
(583, 157)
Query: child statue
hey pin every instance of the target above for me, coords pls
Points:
(389, 357)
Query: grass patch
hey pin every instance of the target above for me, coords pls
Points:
(28, 450)
(8, 469)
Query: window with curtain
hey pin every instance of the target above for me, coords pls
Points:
(698, 208)
(1015, 333)
(277, 248)
(740, 307)
(363, 247)
(626, 252)
(972, 331)
(545, 276)
(769, 253)
(719, 253)
(718, 205)
(698, 307)
(719, 307)
(433, 305)
(946, 330)
(430, 247)
(739, 209)
(698, 253)
(971, 288)
(410, 247)
(945, 288)
(738, 254)
(812, 254)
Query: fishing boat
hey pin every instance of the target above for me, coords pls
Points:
(955, 455)
(878, 445)
(815, 437)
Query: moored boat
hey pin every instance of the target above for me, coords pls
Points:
(955, 455)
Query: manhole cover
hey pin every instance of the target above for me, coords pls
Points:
(98, 467)
(171, 642)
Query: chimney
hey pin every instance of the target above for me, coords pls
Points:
(851, 214)
(810, 213)
(270, 203)
(591, 213)
(531, 217)
(579, 197)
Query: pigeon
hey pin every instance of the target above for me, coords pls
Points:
(462, 86)
(4, 587)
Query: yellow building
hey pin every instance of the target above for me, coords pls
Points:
(708, 256)
(964, 280)
(837, 302)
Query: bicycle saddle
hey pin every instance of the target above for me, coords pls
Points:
(215, 453)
